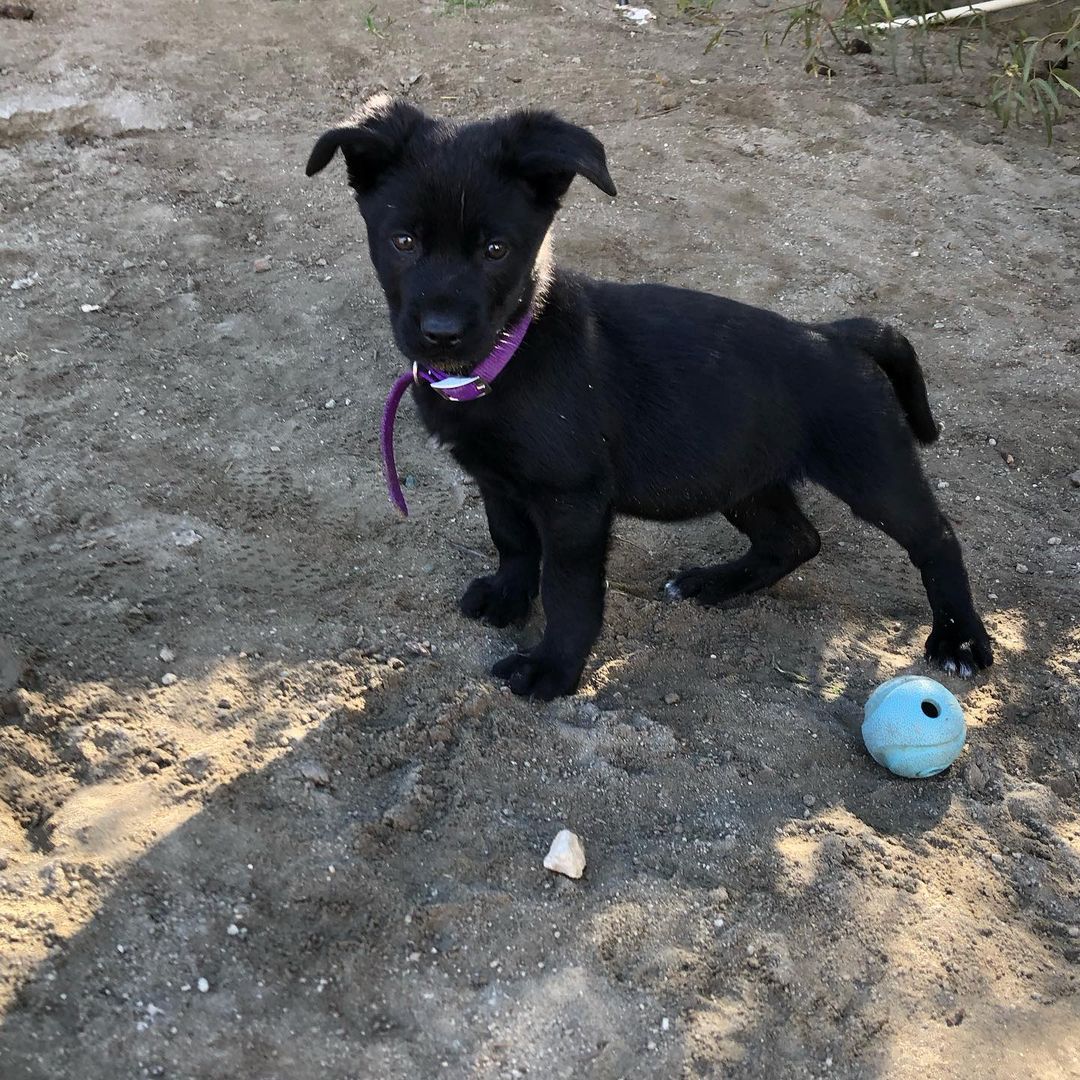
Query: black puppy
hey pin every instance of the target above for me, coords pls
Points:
(646, 400)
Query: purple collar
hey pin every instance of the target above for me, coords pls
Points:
(452, 388)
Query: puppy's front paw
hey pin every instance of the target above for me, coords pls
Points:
(536, 675)
(498, 601)
(960, 650)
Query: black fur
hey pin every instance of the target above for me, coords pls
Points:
(628, 399)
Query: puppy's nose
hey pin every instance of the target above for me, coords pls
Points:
(443, 330)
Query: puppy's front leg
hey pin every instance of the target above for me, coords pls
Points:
(505, 596)
(574, 536)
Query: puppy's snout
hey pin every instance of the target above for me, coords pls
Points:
(442, 330)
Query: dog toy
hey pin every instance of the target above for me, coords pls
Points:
(913, 726)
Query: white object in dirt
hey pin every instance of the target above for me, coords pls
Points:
(950, 14)
(637, 15)
(169, 679)
(567, 855)
(185, 538)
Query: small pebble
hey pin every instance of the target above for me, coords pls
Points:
(1054, 541)
(808, 800)
(672, 698)
(566, 855)
(1074, 479)
(313, 772)
(232, 929)
(167, 654)
(261, 265)
(168, 679)
(186, 538)
(1021, 568)
(942, 484)
(203, 986)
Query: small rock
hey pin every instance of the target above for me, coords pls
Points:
(566, 855)
(996, 858)
(1074, 479)
(261, 265)
(167, 654)
(588, 714)
(1073, 931)
(232, 929)
(168, 679)
(1007, 458)
(669, 102)
(1054, 541)
(808, 800)
(313, 772)
(86, 309)
(975, 778)
(203, 986)
(1021, 568)
(186, 538)
(672, 698)
(330, 404)
(942, 484)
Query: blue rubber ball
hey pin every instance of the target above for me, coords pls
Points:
(913, 726)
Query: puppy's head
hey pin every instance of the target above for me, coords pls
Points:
(457, 217)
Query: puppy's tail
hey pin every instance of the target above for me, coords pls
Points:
(892, 352)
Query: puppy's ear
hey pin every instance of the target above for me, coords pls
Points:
(371, 140)
(547, 152)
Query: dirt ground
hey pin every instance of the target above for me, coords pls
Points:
(316, 851)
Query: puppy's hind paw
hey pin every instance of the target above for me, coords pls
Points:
(958, 653)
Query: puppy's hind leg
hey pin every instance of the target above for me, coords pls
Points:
(781, 538)
(898, 500)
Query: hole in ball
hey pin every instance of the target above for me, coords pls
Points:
(931, 710)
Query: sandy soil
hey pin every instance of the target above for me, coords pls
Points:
(317, 853)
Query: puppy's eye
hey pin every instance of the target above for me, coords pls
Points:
(495, 250)
(403, 242)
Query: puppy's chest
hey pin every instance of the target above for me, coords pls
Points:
(503, 449)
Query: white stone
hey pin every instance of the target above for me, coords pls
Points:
(567, 855)
(167, 654)
(203, 986)
(168, 679)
